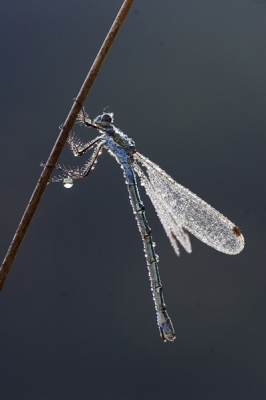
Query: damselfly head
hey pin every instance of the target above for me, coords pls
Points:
(104, 119)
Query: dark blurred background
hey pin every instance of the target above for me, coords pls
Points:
(186, 80)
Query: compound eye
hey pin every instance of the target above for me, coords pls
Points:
(106, 119)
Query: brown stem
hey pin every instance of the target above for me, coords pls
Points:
(61, 140)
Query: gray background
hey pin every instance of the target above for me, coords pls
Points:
(186, 80)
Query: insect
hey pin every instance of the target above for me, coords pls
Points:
(178, 209)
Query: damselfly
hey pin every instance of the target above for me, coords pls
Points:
(178, 209)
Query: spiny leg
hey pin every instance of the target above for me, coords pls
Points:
(78, 148)
(92, 161)
(84, 119)
(105, 120)
(77, 173)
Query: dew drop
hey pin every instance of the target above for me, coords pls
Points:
(68, 183)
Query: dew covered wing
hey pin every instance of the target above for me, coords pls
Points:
(195, 215)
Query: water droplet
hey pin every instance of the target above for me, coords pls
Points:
(68, 183)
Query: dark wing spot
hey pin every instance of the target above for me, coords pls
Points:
(237, 231)
(173, 235)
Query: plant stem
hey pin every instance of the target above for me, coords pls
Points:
(60, 142)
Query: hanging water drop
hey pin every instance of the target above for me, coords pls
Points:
(68, 183)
